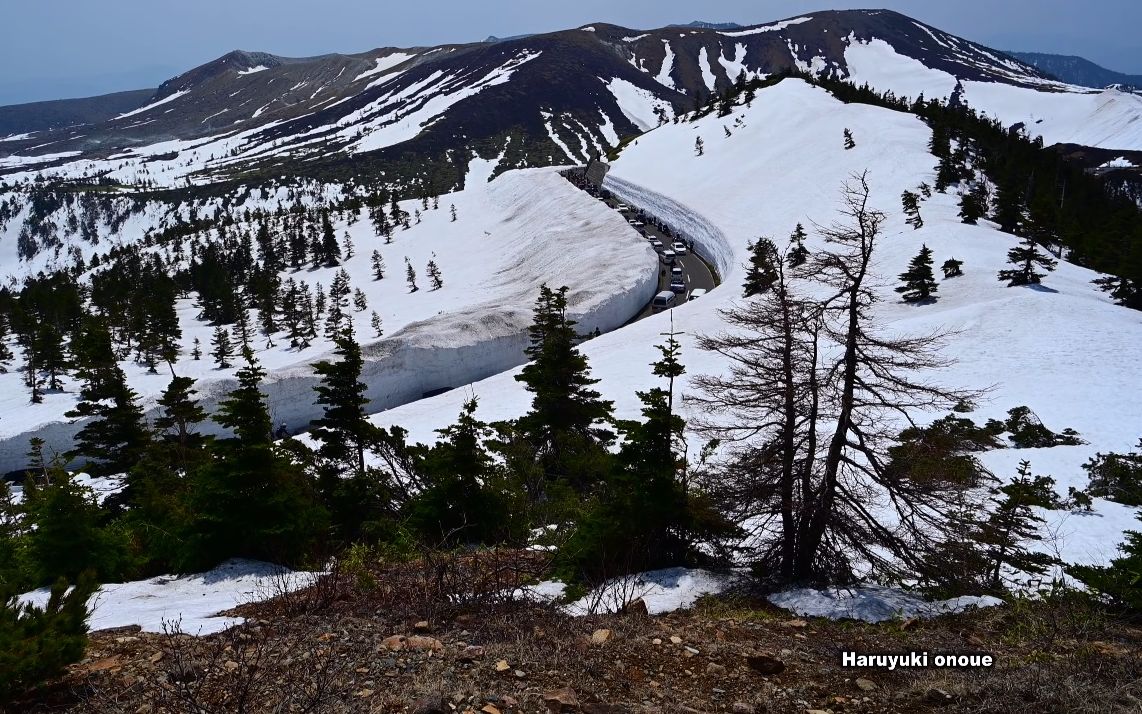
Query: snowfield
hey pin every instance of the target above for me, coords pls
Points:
(512, 235)
(1060, 113)
(1064, 349)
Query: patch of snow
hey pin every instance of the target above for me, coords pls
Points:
(1119, 163)
(776, 27)
(384, 64)
(18, 137)
(152, 105)
(634, 38)
(870, 603)
(663, 76)
(736, 65)
(636, 103)
(192, 602)
(253, 70)
(708, 77)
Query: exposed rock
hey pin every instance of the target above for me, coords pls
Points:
(503, 666)
(490, 709)
(599, 637)
(419, 642)
(421, 626)
(865, 684)
(715, 669)
(431, 704)
(765, 664)
(938, 697)
(796, 622)
(561, 700)
(676, 639)
(637, 608)
(472, 653)
(394, 643)
(743, 708)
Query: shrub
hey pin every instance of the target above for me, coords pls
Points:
(1117, 477)
(36, 644)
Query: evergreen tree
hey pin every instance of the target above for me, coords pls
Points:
(348, 243)
(762, 270)
(1026, 257)
(1009, 207)
(180, 413)
(410, 276)
(849, 143)
(343, 429)
(250, 500)
(378, 265)
(360, 303)
(564, 423)
(1013, 523)
(375, 322)
(196, 351)
(434, 275)
(952, 268)
(973, 205)
(330, 251)
(798, 253)
(452, 210)
(37, 644)
(699, 147)
(1120, 582)
(919, 281)
(115, 433)
(911, 204)
(223, 349)
(464, 499)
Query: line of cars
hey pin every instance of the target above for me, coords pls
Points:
(668, 253)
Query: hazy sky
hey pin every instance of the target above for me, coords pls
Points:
(51, 49)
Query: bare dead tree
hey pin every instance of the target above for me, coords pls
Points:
(815, 397)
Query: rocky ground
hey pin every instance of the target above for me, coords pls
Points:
(380, 644)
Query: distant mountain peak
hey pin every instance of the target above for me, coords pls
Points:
(703, 25)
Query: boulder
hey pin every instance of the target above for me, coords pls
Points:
(765, 664)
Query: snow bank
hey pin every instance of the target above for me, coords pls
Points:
(1064, 350)
(872, 604)
(191, 602)
(515, 233)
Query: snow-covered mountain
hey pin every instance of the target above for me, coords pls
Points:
(415, 115)
(250, 135)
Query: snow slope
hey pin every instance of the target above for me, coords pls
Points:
(1064, 350)
(512, 234)
(1060, 113)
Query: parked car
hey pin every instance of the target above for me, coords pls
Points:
(668, 256)
(677, 285)
(680, 248)
(657, 245)
(663, 301)
(697, 293)
(623, 207)
(676, 272)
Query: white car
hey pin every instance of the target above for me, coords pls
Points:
(680, 247)
(657, 245)
(623, 207)
(697, 293)
(668, 256)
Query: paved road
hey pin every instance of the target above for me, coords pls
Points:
(695, 271)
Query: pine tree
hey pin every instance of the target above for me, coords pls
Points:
(849, 143)
(919, 281)
(1121, 581)
(1013, 523)
(410, 276)
(343, 429)
(223, 348)
(762, 269)
(452, 209)
(244, 410)
(973, 205)
(434, 275)
(911, 204)
(1026, 257)
(180, 413)
(375, 322)
(798, 253)
(1008, 207)
(330, 251)
(699, 147)
(115, 433)
(360, 303)
(563, 424)
(952, 268)
(378, 266)
(348, 243)
(196, 351)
